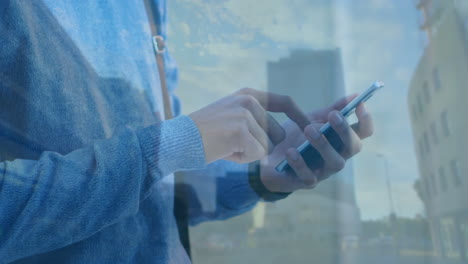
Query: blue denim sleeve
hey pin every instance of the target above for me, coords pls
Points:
(219, 191)
(88, 189)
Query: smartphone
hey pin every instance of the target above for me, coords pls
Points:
(311, 156)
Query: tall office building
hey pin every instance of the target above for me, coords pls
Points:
(313, 222)
(327, 214)
(314, 79)
(437, 101)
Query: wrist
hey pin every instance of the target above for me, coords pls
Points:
(257, 184)
(172, 145)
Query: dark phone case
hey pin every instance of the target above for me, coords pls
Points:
(312, 157)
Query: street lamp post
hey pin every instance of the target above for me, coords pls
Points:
(389, 188)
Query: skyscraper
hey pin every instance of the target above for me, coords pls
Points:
(314, 79)
(310, 222)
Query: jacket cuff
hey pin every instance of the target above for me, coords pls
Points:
(235, 188)
(257, 185)
(172, 145)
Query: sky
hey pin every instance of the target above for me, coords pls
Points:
(224, 45)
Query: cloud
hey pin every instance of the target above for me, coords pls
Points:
(185, 28)
(286, 21)
(382, 4)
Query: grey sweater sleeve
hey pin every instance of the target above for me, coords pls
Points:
(60, 199)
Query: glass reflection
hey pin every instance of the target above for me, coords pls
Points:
(401, 200)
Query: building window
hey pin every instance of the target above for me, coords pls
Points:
(435, 137)
(420, 104)
(421, 148)
(427, 93)
(443, 179)
(415, 112)
(433, 183)
(448, 237)
(464, 233)
(436, 79)
(427, 188)
(445, 123)
(427, 144)
(456, 173)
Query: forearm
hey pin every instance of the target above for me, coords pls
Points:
(219, 191)
(61, 199)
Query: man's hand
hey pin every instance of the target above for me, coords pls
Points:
(303, 177)
(238, 127)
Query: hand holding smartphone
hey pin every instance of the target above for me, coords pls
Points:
(310, 155)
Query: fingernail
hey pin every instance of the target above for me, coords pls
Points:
(294, 155)
(314, 134)
(337, 119)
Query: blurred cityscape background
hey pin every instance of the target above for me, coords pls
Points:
(403, 200)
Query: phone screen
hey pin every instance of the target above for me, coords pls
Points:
(310, 155)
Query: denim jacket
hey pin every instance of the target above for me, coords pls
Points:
(86, 163)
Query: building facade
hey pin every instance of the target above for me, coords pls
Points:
(437, 101)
